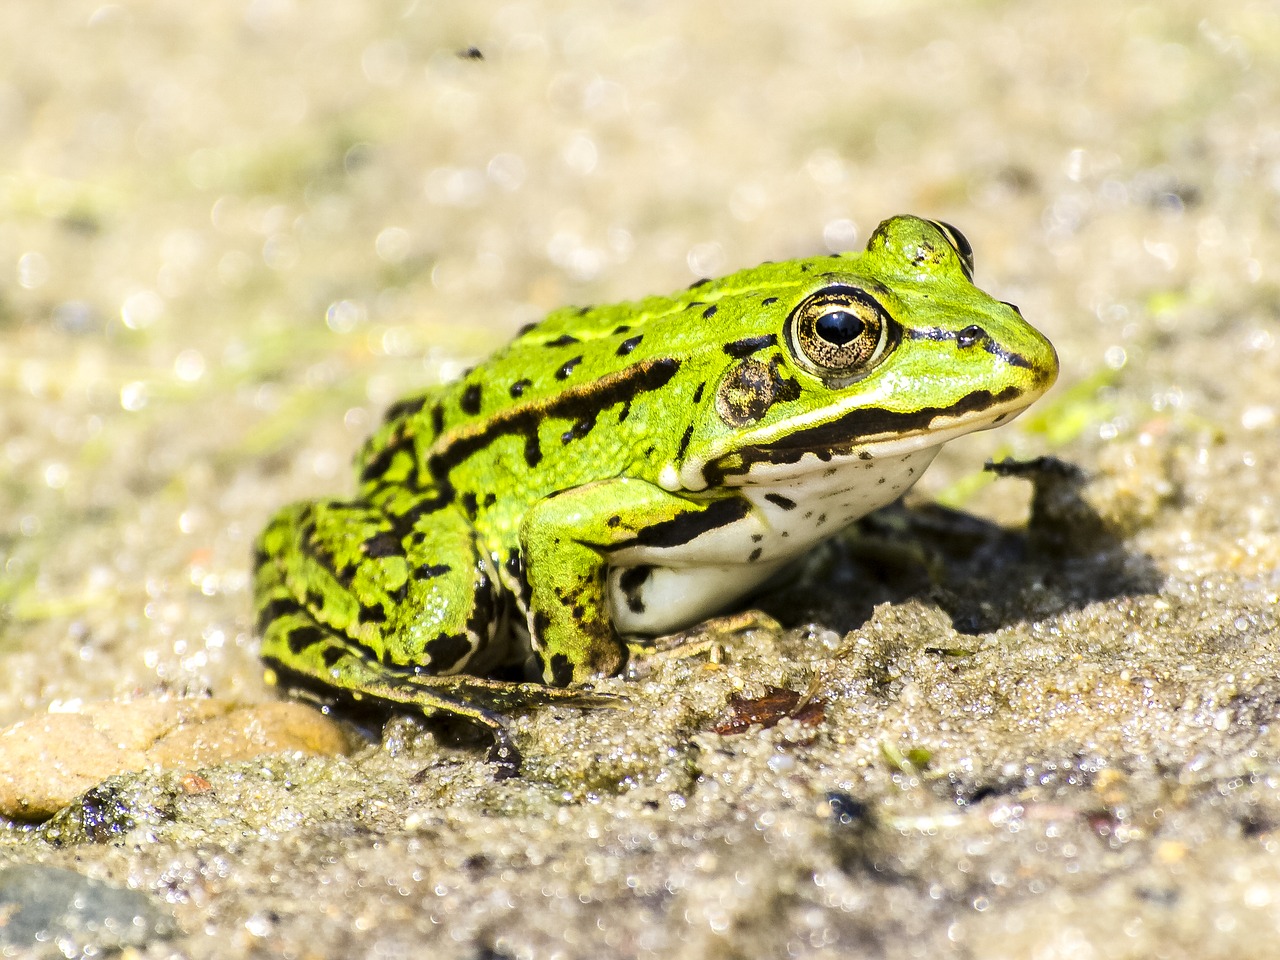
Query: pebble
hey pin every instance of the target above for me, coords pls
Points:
(47, 761)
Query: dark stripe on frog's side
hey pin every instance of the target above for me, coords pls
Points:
(564, 340)
(581, 404)
(574, 403)
(854, 427)
(974, 336)
(686, 527)
(781, 502)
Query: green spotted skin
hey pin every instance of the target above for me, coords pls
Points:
(632, 468)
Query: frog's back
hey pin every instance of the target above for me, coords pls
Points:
(585, 394)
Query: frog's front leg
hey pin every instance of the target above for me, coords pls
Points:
(570, 540)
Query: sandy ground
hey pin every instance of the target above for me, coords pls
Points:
(232, 233)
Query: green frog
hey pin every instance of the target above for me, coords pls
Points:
(629, 470)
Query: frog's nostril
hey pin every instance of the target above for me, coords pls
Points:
(970, 335)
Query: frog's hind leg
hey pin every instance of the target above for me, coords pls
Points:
(348, 608)
(319, 657)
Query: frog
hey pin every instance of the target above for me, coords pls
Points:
(626, 471)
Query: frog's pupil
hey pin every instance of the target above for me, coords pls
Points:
(839, 327)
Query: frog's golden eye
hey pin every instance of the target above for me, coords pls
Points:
(959, 243)
(839, 332)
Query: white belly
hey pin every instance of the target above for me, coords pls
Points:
(660, 589)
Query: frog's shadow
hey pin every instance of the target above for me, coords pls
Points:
(984, 576)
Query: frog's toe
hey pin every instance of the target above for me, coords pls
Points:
(503, 696)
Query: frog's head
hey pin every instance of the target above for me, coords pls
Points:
(881, 353)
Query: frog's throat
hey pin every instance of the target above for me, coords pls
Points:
(858, 435)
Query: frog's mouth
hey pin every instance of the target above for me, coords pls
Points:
(865, 434)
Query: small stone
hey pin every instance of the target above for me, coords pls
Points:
(47, 761)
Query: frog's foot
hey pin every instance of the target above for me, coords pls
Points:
(487, 702)
(317, 655)
(368, 683)
(504, 696)
(706, 638)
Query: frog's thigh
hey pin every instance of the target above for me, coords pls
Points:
(336, 577)
(569, 542)
(452, 608)
(304, 654)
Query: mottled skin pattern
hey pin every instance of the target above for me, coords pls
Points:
(674, 434)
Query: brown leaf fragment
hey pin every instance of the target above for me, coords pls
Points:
(768, 710)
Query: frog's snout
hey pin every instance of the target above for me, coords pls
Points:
(1042, 360)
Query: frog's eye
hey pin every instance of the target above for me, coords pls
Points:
(839, 332)
(959, 244)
